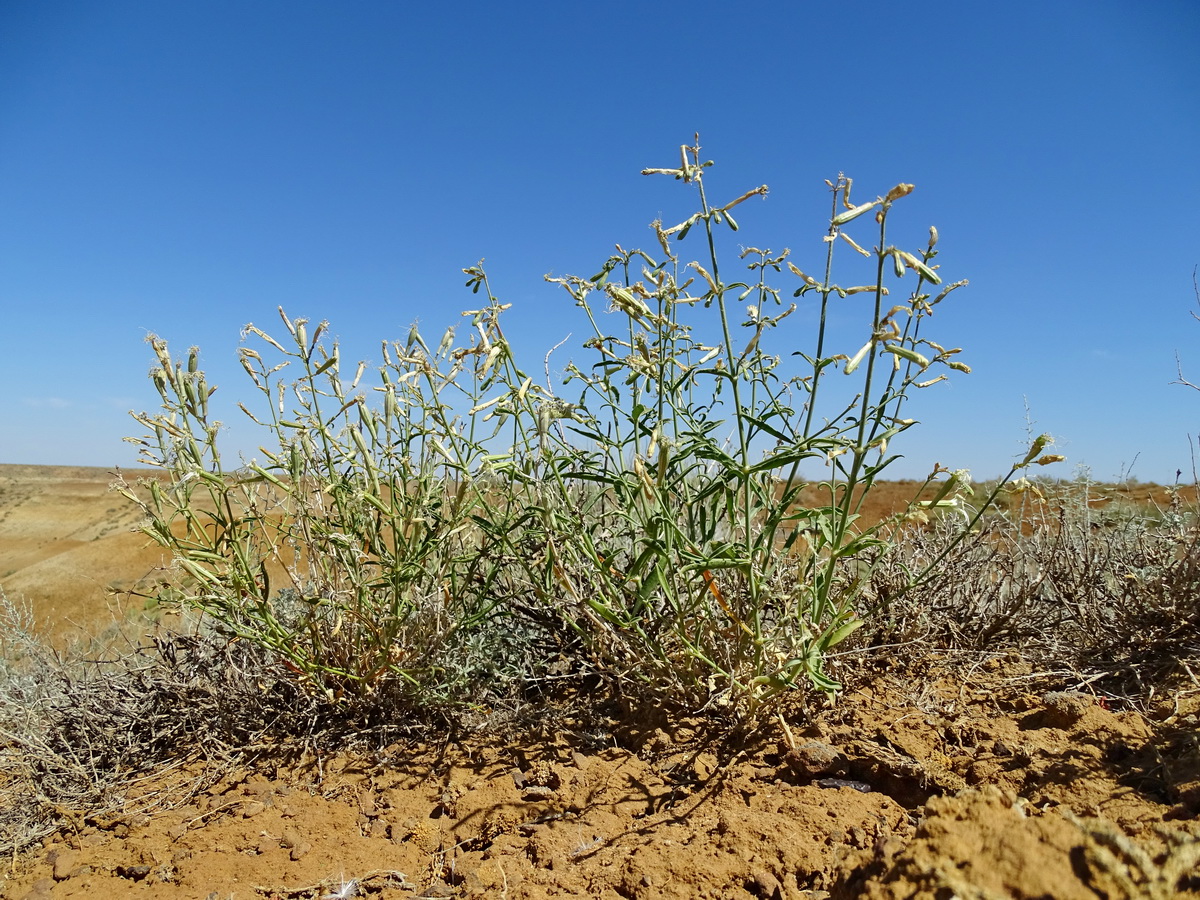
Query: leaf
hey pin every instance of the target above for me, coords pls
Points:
(763, 425)
(795, 453)
(823, 682)
(835, 636)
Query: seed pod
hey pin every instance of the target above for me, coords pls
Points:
(487, 404)
(900, 190)
(807, 279)
(492, 357)
(286, 321)
(361, 444)
(920, 268)
(851, 214)
(933, 237)
(1039, 443)
(704, 274)
(849, 240)
(858, 357)
(907, 353)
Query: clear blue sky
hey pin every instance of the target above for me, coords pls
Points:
(184, 168)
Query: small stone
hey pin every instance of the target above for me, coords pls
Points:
(42, 889)
(290, 838)
(1064, 708)
(402, 831)
(366, 803)
(133, 873)
(65, 862)
(253, 808)
(765, 885)
(299, 851)
(813, 758)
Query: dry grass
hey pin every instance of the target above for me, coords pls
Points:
(1113, 590)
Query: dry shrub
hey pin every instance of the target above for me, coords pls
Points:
(1114, 590)
(78, 728)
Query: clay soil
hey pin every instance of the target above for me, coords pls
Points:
(933, 776)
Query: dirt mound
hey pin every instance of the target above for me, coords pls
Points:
(978, 787)
(985, 844)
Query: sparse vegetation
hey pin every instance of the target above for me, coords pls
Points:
(450, 540)
(462, 524)
(1061, 572)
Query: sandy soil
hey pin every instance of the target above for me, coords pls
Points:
(981, 785)
(68, 547)
(969, 777)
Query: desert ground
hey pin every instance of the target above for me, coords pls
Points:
(936, 774)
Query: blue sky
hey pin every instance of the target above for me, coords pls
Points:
(185, 168)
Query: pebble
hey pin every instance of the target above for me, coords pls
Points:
(813, 758)
(133, 873)
(42, 889)
(366, 803)
(65, 862)
(766, 885)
